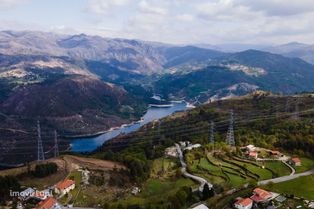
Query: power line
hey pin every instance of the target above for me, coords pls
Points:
(197, 130)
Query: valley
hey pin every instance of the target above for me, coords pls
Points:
(109, 113)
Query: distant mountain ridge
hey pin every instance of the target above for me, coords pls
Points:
(125, 54)
(239, 74)
(295, 49)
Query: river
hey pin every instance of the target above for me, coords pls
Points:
(89, 144)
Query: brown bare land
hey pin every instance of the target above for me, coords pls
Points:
(66, 164)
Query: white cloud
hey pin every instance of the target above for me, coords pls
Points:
(146, 7)
(11, 3)
(185, 17)
(179, 21)
(279, 7)
(104, 6)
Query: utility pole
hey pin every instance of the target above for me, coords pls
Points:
(230, 133)
(56, 150)
(40, 149)
(212, 132)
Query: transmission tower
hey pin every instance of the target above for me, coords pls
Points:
(230, 133)
(40, 149)
(56, 147)
(297, 109)
(212, 131)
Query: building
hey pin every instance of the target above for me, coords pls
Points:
(135, 190)
(295, 161)
(201, 206)
(65, 187)
(245, 203)
(171, 152)
(275, 154)
(253, 155)
(260, 195)
(250, 148)
(193, 146)
(49, 203)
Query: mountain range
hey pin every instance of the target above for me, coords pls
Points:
(70, 79)
(295, 49)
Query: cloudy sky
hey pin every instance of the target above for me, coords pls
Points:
(171, 21)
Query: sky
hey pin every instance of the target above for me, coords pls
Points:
(171, 21)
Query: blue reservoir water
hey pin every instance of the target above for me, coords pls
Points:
(153, 113)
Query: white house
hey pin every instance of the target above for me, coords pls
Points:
(245, 203)
(201, 206)
(190, 147)
(65, 187)
(250, 148)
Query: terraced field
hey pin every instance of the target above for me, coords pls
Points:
(263, 173)
(234, 171)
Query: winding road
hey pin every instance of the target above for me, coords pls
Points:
(201, 180)
(289, 166)
(286, 178)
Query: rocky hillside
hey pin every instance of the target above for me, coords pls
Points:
(130, 55)
(64, 95)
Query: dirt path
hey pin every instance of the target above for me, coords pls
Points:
(74, 162)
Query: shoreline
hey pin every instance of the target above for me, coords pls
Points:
(91, 135)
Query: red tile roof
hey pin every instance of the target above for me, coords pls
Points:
(256, 198)
(244, 202)
(262, 193)
(47, 204)
(65, 184)
(253, 154)
(275, 152)
(296, 160)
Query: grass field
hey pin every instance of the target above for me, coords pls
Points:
(77, 177)
(306, 164)
(157, 191)
(300, 187)
(161, 184)
(278, 167)
(162, 167)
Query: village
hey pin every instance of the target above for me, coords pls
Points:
(252, 164)
(56, 196)
(257, 197)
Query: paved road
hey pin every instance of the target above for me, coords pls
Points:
(286, 178)
(291, 168)
(201, 180)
